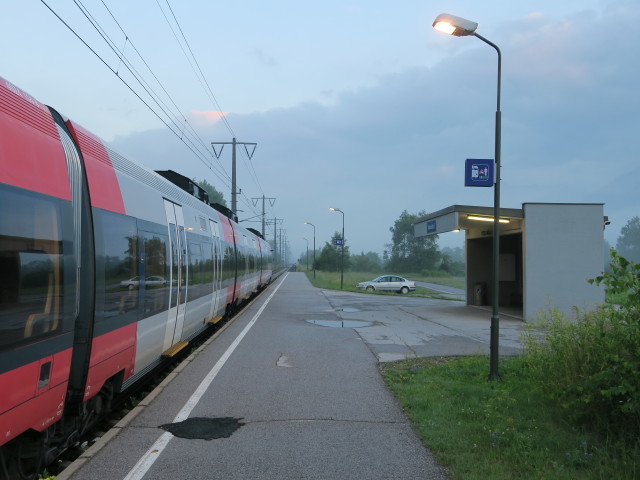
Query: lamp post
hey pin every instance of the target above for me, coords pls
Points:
(334, 209)
(314, 248)
(461, 27)
(307, 252)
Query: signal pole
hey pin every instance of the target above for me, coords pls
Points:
(234, 189)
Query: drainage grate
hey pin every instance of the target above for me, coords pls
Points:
(201, 428)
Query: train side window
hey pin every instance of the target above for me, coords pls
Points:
(116, 265)
(31, 286)
(196, 271)
(214, 228)
(156, 291)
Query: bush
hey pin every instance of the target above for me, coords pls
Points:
(591, 367)
(435, 273)
(623, 280)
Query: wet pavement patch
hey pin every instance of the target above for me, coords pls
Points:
(200, 428)
(341, 323)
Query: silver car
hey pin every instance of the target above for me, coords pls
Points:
(391, 283)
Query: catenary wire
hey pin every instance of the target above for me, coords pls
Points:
(177, 109)
(141, 80)
(190, 147)
(212, 97)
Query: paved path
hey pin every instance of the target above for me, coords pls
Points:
(450, 291)
(310, 400)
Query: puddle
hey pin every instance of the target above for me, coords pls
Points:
(341, 323)
(348, 310)
(204, 428)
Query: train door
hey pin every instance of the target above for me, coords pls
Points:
(217, 266)
(177, 273)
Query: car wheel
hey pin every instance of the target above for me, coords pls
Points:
(404, 290)
(131, 287)
(370, 288)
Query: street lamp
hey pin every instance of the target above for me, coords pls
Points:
(334, 209)
(314, 248)
(307, 252)
(461, 27)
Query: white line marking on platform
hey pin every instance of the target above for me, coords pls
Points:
(149, 458)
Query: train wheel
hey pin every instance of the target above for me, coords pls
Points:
(28, 455)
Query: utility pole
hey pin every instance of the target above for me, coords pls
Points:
(271, 201)
(234, 187)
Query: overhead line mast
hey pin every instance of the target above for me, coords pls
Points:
(271, 201)
(234, 189)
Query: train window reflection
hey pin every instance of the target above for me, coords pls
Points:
(31, 286)
(117, 259)
(156, 285)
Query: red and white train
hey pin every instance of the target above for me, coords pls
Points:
(105, 267)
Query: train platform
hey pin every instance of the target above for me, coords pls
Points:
(291, 390)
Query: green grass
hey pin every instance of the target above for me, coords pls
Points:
(331, 280)
(499, 430)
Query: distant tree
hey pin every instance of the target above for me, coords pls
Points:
(456, 254)
(607, 257)
(408, 253)
(214, 195)
(366, 262)
(628, 244)
(454, 267)
(330, 255)
(452, 260)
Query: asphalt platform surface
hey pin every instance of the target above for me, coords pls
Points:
(291, 390)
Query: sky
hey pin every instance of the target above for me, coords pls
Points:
(359, 105)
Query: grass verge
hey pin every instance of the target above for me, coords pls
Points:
(499, 430)
(331, 281)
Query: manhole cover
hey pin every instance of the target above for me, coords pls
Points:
(341, 323)
(204, 428)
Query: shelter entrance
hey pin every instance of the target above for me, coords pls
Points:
(479, 281)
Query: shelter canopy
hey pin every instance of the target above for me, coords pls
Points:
(466, 217)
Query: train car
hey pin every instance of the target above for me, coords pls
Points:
(106, 267)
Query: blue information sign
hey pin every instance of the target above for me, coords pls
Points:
(431, 226)
(338, 241)
(479, 172)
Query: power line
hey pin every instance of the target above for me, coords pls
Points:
(177, 109)
(212, 96)
(123, 59)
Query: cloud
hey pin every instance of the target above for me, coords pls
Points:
(205, 117)
(263, 58)
(570, 114)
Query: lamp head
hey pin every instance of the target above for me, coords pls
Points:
(452, 25)
(334, 209)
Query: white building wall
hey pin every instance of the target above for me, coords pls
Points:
(562, 247)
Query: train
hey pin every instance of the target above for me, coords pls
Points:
(106, 268)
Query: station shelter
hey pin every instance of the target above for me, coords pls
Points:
(548, 251)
